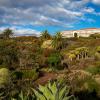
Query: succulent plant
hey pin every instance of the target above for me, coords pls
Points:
(4, 76)
(53, 92)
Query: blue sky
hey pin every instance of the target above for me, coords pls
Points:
(27, 17)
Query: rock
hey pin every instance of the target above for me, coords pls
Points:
(47, 44)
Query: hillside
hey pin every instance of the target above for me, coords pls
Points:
(26, 63)
(82, 32)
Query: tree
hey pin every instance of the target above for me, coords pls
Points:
(7, 33)
(45, 35)
(57, 41)
(75, 35)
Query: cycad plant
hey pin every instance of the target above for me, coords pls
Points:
(53, 91)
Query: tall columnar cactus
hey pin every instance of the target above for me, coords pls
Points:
(53, 92)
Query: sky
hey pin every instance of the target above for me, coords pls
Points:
(30, 17)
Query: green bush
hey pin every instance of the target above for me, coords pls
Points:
(17, 75)
(54, 61)
(25, 74)
(93, 70)
(87, 84)
(4, 77)
(30, 74)
(97, 56)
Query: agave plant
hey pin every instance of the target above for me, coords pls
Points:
(53, 92)
(22, 96)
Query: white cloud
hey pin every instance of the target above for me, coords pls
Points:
(18, 31)
(89, 10)
(63, 13)
(58, 12)
(96, 1)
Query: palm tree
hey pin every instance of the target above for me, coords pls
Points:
(45, 35)
(57, 41)
(7, 33)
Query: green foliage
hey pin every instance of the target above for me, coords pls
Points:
(7, 33)
(16, 75)
(97, 56)
(45, 35)
(53, 91)
(92, 85)
(78, 53)
(81, 83)
(98, 49)
(75, 35)
(93, 69)
(8, 53)
(54, 60)
(57, 41)
(4, 77)
(5, 83)
(25, 74)
(30, 74)
(22, 96)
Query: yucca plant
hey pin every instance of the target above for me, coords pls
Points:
(53, 91)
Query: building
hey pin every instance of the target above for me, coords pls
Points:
(81, 33)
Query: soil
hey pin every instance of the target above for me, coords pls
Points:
(45, 78)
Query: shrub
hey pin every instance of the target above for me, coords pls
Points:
(97, 56)
(17, 75)
(4, 77)
(98, 49)
(25, 74)
(5, 83)
(54, 61)
(81, 81)
(93, 70)
(30, 74)
(90, 90)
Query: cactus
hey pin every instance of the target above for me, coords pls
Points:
(4, 77)
(78, 53)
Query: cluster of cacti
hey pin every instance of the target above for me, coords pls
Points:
(53, 91)
(78, 53)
